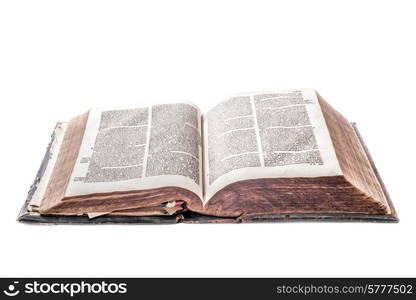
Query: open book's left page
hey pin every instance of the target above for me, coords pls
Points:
(139, 148)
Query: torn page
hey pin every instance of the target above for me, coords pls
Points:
(58, 136)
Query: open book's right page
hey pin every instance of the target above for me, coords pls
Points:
(266, 135)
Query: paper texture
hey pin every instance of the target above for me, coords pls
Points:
(58, 136)
(266, 135)
(139, 148)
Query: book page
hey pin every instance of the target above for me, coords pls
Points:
(57, 138)
(266, 135)
(139, 148)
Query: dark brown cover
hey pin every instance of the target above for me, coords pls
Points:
(192, 217)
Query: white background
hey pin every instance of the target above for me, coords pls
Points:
(59, 58)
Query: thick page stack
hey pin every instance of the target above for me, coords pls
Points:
(271, 156)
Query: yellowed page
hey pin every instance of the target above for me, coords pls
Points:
(58, 136)
(139, 148)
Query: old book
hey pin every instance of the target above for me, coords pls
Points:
(284, 155)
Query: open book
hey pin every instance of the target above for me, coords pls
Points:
(255, 157)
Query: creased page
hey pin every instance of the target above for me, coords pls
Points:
(266, 135)
(140, 148)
